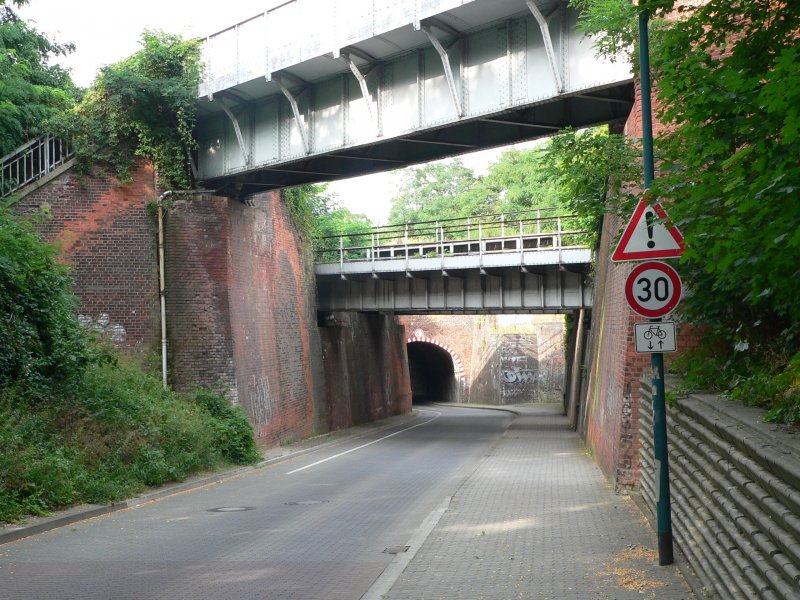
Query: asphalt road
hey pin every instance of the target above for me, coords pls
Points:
(314, 527)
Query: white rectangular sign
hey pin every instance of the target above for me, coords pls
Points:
(655, 337)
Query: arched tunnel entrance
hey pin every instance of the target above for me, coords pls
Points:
(432, 373)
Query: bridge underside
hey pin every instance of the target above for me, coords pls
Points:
(479, 75)
(544, 289)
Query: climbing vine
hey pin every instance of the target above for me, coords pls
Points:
(142, 107)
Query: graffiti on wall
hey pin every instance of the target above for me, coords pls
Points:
(102, 323)
(519, 363)
(519, 376)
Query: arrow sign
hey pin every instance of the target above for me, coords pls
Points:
(647, 236)
(649, 335)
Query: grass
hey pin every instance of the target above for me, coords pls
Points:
(771, 382)
(113, 434)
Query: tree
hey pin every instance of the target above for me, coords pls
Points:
(727, 86)
(320, 215)
(594, 170)
(521, 180)
(435, 191)
(32, 91)
(143, 106)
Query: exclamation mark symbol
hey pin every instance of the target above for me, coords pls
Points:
(650, 217)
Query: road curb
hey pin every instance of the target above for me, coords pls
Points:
(36, 525)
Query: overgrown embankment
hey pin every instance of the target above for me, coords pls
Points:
(77, 422)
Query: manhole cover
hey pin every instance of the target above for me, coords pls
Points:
(307, 502)
(231, 508)
(396, 549)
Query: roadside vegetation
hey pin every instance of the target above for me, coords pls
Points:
(726, 81)
(78, 422)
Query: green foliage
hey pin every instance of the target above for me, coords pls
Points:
(116, 433)
(612, 24)
(41, 342)
(730, 163)
(520, 180)
(233, 432)
(584, 173)
(32, 91)
(76, 423)
(593, 169)
(727, 84)
(768, 380)
(143, 106)
(306, 203)
(318, 214)
(436, 191)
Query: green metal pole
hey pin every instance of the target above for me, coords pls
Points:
(663, 516)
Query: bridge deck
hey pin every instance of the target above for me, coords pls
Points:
(436, 267)
(319, 90)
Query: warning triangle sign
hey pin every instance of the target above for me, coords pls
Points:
(647, 236)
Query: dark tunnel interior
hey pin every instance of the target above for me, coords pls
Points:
(432, 373)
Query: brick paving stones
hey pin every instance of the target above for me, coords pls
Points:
(537, 520)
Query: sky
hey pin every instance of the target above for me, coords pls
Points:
(105, 31)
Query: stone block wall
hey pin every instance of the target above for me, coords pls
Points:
(735, 496)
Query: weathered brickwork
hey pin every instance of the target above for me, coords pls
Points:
(110, 242)
(366, 370)
(610, 418)
(505, 359)
(240, 295)
(200, 344)
(241, 311)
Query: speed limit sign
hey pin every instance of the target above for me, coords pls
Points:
(653, 289)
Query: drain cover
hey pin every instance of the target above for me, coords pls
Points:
(396, 549)
(307, 502)
(231, 508)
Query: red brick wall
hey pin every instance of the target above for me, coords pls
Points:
(242, 314)
(110, 242)
(366, 370)
(610, 419)
(200, 342)
(241, 305)
(481, 343)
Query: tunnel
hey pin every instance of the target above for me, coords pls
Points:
(432, 373)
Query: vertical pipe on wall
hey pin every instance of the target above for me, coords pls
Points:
(162, 293)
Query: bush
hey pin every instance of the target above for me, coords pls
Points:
(768, 381)
(41, 342)
(234, 434)
(78, 424)
(118, 432)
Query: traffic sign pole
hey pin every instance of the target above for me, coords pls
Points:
(663, 516)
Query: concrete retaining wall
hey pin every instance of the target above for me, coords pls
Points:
(735, 487)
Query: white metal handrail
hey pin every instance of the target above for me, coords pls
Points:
(32, 161)
(494, 235)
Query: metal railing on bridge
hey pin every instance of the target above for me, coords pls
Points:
(536, 229)
(32, 161)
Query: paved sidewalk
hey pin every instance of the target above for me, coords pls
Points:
(537, 520)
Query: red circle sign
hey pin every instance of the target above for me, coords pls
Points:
(653, 289)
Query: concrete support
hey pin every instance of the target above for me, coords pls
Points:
(575, 370)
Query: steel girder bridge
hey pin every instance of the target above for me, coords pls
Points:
(526, 262)
(320, 90)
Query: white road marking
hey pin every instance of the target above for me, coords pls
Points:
(386, 437)
(383, 584)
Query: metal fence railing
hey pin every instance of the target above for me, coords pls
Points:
(543, 228)
(31, 161)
